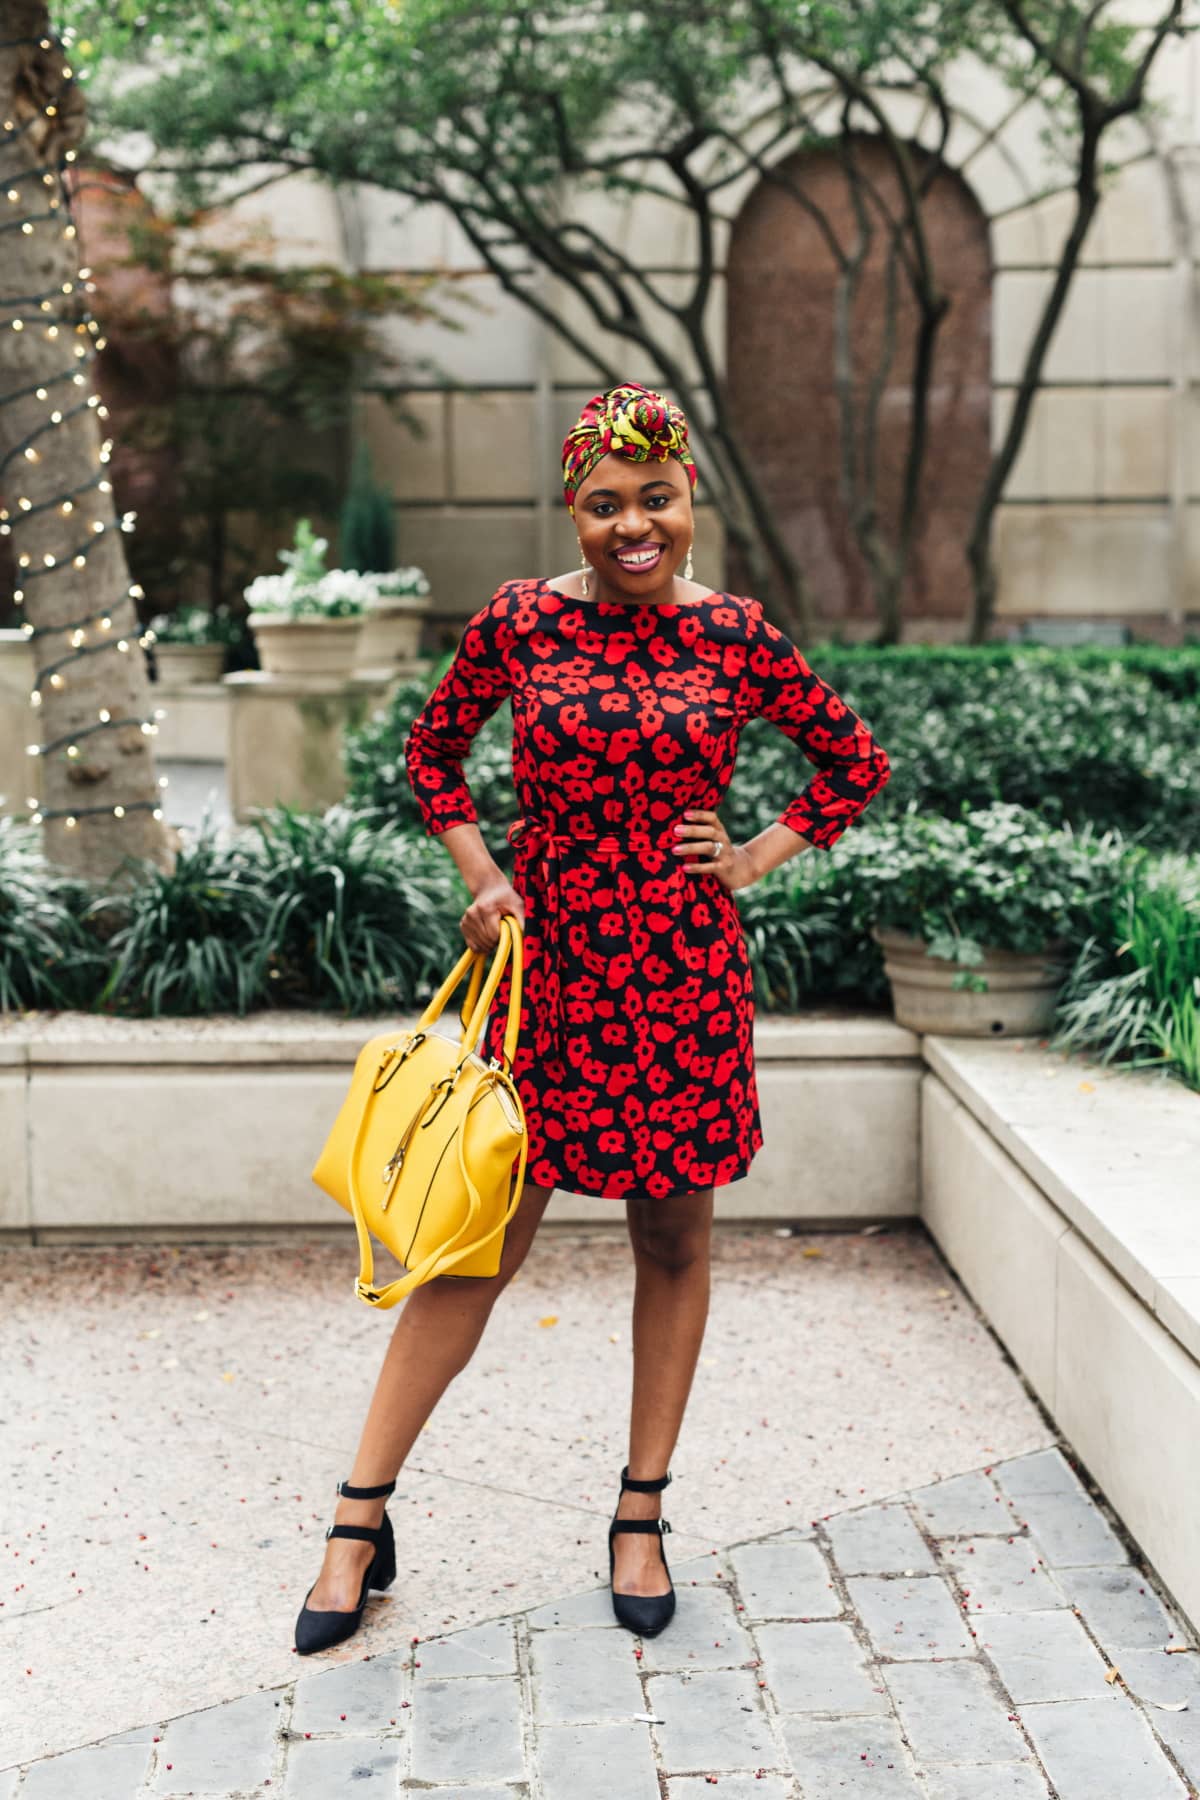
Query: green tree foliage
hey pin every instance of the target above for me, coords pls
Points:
(508, 114)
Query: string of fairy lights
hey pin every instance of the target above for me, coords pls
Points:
(38, 203)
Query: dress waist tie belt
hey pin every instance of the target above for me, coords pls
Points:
(545, 842)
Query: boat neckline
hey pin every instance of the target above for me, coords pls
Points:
(631, 605)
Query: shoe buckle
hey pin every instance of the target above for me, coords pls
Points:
(663, 1525)
(329, 1531)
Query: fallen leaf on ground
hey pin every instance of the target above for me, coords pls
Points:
(550, 1319)
(811, 1250)
(1111, 1675)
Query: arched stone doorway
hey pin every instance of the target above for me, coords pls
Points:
(782, 283)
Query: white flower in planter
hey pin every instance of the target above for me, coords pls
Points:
(399, 583)
(338, 594)
(270, 593)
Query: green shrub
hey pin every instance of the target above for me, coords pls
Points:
(998, 877)
(47, 957)
(1134, 992)
(1102, 745)
(806, 939)
(366, 530)
(1174, 672)
(332, 911)
(189, 940)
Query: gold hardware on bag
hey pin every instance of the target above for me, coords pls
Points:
(447, 1082)
(396, 1057)
(396, 1160)
(506, 1106)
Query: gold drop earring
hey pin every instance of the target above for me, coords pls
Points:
(687, 567)
(584, 568)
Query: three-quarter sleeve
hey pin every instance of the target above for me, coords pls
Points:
(852, 766)
(474, 685)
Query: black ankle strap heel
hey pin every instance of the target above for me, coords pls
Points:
(346, 1492)
(321, 1630)
(645, 1614)
(645, 1487)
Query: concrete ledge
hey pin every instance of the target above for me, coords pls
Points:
(1064, 1197)
(994, 1226)
(212, 1124)
(1117, 1155)
(78, 1037)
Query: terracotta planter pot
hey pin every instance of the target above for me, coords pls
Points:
(179, 664)
(1019, 1001)
(306, 649)
(391, 632)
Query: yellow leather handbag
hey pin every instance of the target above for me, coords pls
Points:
(421, 1153)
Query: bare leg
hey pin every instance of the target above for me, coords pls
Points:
(671, 1244)
(439, 1326)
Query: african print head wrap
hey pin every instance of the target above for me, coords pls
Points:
(630, 420)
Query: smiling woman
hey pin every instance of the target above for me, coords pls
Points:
(629, 685)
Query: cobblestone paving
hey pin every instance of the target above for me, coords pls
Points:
(986, 1638)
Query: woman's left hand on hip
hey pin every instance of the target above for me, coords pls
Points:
(703, 847)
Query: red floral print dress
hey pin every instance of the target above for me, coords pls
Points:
(635, 1061)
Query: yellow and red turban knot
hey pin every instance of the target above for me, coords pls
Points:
(630, 420)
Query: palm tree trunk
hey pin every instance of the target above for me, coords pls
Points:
(93, 715)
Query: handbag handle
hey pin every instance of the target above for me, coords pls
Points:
(511, 942)
(472, 994)
(510, 939)
(439, 1261)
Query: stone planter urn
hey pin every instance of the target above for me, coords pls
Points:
(1019, 1001)
(306, 649)
(391, 632)
(179, 664)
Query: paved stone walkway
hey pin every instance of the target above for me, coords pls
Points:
(986, 1638)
